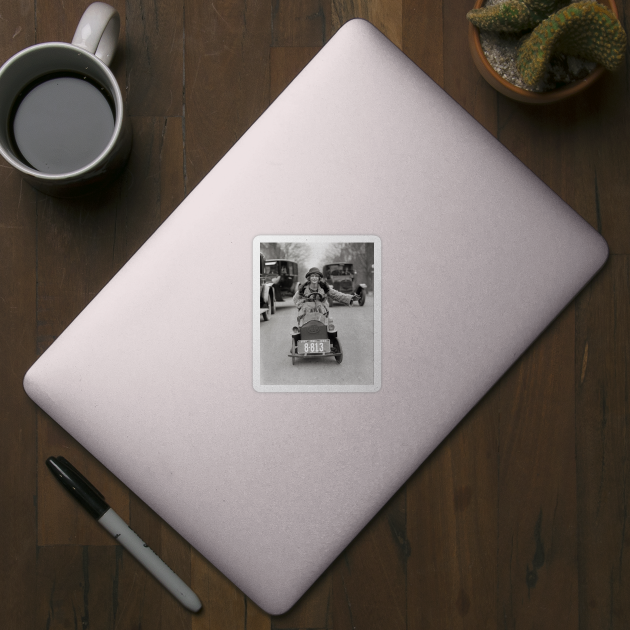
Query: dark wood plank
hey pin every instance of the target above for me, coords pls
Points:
(603, 442)
(369, 577)
(452, 527)
(608, 136)
(154, 57)
(386, 15)
(422, 36)
(226, 78)
(57, 23)
(76, 587)
(300, 23)
(537, 510)
(608, 126)
(18, 420)
(17, 28)
(18, 416)
(461, 78)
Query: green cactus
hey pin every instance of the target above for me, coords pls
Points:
(583, 29)
(513, 16)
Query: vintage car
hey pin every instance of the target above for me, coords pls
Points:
(316, 337)
(341, 276)
(267, 292)
(285, 277)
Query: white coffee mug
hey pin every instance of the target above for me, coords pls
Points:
(62, 115)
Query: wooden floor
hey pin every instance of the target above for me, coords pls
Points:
(518, 520)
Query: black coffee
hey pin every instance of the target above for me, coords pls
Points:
(61, 123)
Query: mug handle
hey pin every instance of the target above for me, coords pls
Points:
(98, 30)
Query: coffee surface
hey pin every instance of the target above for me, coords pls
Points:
(62, 124)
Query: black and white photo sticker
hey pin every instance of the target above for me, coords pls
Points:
(317, 313)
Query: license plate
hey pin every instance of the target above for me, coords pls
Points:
(313, 346)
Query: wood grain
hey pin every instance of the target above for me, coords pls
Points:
(76, 587)
(369, 577)
(517, 520)
(602, 380)
(386, 15)
(226, 78)
(452, 516)
(537, 511)
(609, 133)
(154, 60)
(461, 79)
(18, 416)
(422, 36)
(300, 23)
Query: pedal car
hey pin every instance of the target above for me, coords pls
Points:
(315, 338)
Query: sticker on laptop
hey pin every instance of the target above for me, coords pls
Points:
(317, 313)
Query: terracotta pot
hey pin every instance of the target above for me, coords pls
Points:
(518, 94)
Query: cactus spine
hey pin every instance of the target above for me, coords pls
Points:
(513, 16)
(583, 29)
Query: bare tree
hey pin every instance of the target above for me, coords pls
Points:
(297, 252)
(333, 253)
(272, 250)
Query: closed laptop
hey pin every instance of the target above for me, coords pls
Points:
(172, 377)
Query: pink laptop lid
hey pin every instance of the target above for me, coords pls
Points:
(168, 376)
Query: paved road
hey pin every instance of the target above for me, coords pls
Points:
(356, 334)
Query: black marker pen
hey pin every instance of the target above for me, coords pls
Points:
(94, 502)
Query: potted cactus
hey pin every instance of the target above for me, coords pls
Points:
(558, 49)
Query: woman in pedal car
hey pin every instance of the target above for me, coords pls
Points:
(314, 294)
